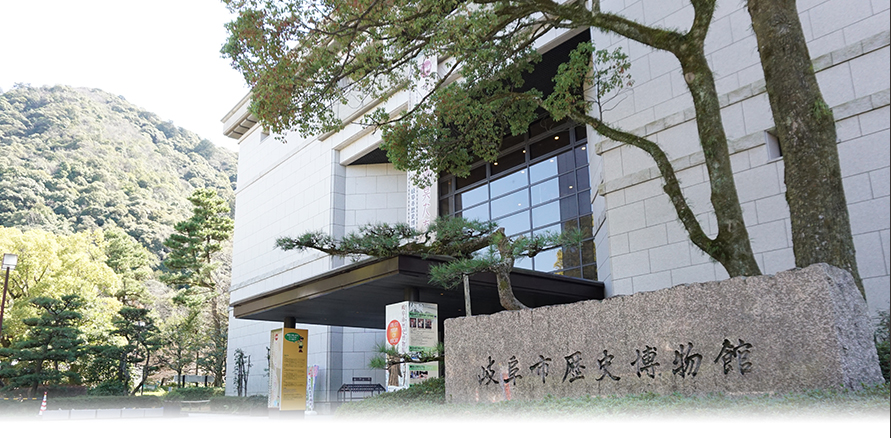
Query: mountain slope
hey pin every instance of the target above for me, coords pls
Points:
(73, 159)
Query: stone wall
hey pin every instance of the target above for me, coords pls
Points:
(799, 329)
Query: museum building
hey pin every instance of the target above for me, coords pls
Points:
(555, 177)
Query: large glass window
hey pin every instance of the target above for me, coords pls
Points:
(540, 183)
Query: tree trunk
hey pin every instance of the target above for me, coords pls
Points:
(502, 272)
(145, 368)
(731, 247)
(821, 230)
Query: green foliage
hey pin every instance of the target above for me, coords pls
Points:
(53, 266)
(133, 265)
(198, 266)
(193, 246)
(74, 159)
(883, 343)
(303, 68)
(451, 237)
(51, 345)
(110, 387)
(240, 405)
(142, 338)
(193, 393)
(388, 356)
(503, 250)
(575, 77)
(308, 61)
(460, 240)
(179, 333)
(425, 396)
(84, 161)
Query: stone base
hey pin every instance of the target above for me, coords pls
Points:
(796, 330)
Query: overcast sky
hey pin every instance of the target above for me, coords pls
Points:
(161, 55)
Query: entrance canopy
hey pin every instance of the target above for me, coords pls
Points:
(356, 295)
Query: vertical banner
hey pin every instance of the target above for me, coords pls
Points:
(275, 368)
(293, 393)
(412, 328)
(287, 369)
(420, 208)
(422, 204)
(311, 374)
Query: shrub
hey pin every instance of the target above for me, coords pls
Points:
(192, 393)
(883, 343)
(239, 405)
(109, 387)
(431, 392)
(52, 391)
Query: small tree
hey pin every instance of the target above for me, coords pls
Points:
(242, 371)
(458, 238)
(179, 334)
(50, 346)
(142, 338)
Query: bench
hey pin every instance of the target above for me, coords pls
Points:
(359, 389)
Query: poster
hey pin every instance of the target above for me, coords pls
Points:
(287, 369)
(411, 328)
(293, 392)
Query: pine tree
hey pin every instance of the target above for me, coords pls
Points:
(50, 346)
(195, 261)
(193, 246)
(457, 238)
(138, 328)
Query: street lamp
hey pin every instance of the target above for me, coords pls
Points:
(9, 262)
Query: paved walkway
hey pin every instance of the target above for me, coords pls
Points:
(198, 425)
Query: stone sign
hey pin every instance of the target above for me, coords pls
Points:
(799, 329)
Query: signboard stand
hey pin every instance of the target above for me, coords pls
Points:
(412, 327)
(287, 373)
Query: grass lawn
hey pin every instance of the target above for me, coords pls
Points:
(428, 401)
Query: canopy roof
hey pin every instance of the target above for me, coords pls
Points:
(356, 295)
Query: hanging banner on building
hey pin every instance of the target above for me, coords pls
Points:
(411, 328)
(420, 206)
(287, 369)
(420, 210)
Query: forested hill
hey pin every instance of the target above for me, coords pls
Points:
(72, 159)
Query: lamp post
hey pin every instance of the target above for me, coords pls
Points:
(9, 262)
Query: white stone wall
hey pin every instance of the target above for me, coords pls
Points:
(375, 193)
(647, 248)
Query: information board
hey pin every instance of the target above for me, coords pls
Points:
(287, 369)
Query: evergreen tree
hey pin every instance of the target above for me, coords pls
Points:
(199, 254)
(142, 338)
(133, 264)
(193, 247)
(50, 346)
(458, 238)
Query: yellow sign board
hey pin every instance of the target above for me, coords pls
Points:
(293, 380)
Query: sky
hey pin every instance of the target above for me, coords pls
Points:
(160, 55)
